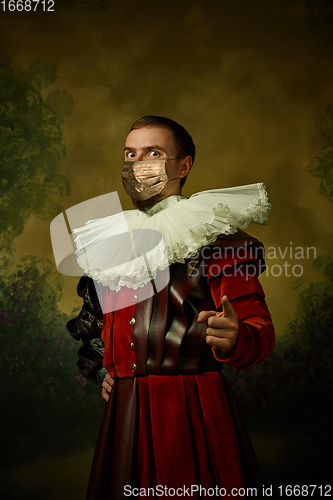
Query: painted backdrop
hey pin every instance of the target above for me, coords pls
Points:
(253, 84)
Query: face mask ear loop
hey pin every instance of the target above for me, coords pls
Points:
(178, 158)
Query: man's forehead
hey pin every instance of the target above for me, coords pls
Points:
(149, 136)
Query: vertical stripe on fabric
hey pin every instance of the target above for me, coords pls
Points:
(220, 431)
(204, 469)
(170, 432)
(146, 459)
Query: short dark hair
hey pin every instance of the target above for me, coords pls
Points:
(183, 141)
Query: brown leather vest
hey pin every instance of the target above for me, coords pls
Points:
(175, 341)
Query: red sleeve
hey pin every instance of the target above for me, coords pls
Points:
(238, 279)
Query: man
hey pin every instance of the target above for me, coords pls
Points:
(170, 423)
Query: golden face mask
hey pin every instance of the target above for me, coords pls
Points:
(144, 179)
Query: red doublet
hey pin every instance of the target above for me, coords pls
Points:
(188, 431)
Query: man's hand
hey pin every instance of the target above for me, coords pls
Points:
(107, 386)
(222, 330)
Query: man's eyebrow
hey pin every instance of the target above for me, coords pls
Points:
(145, 148)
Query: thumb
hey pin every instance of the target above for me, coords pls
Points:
(204, 315)
(228, 310)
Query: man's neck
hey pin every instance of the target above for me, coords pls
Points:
(145, 205)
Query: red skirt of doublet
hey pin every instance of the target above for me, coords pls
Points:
(174, 431)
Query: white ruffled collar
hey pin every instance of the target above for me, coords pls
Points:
(128, 248)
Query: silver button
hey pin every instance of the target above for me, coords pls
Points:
(132, 346)
(133, 367)
(135, 298)
(132, 321)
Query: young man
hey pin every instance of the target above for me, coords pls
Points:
(170, 426)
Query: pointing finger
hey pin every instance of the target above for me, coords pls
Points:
(228, 310)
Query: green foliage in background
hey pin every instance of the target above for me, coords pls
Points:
(322, 166)
(31, 147)
(46, 404)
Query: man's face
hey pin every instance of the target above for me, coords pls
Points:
(155, 143)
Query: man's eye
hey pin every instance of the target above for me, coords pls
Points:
(130, 155)
(153, 153)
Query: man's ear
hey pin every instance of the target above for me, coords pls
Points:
(186, 166)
